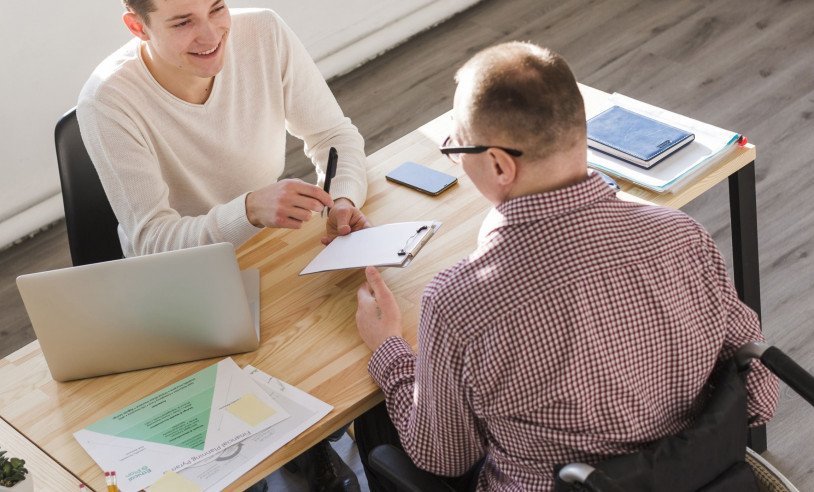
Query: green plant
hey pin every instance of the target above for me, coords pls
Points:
(11, 470)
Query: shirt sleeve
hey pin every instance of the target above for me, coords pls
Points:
(314, 116)
(743, 326)
(427, 396)
(139, 196)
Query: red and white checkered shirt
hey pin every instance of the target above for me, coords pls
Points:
(581, 327)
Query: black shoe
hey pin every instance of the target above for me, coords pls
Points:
(324, 469)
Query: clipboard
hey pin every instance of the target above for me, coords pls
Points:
(389, 245)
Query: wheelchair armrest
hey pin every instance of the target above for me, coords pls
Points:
(394, 464)
(592, 479)
(791, 373)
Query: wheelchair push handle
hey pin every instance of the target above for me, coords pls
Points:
(791, 373)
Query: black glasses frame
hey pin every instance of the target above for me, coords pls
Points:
(453, 151)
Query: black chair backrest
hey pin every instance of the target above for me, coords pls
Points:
(90, 221)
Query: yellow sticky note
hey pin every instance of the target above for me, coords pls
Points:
(173, 482)
(251, 410)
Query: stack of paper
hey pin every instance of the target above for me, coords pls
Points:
(710, 146)
(201, 433)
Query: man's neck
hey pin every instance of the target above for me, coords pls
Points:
(189, 88)
(558, 171)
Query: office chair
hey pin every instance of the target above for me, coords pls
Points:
(90, 221)
(709, 456)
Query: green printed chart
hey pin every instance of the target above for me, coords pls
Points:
(186, 423)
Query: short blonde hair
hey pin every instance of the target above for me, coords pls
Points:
(525, 97)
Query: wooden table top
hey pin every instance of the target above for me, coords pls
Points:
(308, 328)
(46, 473)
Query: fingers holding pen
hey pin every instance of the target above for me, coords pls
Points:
(287, 203)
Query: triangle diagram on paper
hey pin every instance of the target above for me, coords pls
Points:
(177, 416)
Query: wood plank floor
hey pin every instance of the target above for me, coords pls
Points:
(744, 65)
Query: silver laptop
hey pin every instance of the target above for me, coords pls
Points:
(145, 311)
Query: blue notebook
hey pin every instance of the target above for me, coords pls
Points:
(635, 138)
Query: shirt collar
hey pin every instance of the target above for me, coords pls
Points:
(540, 206)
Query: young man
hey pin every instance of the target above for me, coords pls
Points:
(186, 126)
(581, 327)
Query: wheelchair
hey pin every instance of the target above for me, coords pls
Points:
(710, 456)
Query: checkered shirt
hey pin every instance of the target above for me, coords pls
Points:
(581, 327)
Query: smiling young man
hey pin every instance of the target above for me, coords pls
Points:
(186, 126)
(182, 57)
(581, 326)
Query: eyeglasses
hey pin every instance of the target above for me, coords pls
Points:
(454, 152)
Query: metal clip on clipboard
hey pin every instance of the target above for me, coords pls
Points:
(417, 241)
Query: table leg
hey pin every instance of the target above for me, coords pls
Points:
(746, 264)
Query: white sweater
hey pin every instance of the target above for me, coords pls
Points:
(177, 173)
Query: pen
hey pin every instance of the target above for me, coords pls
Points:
(330, 172)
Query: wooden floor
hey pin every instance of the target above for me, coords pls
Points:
(744, 65)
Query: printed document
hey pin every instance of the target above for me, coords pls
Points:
(200, 433)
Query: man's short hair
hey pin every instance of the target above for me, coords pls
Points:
(141, 8)
(525, 97)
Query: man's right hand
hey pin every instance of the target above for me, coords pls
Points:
(287, 204)
(378, 316)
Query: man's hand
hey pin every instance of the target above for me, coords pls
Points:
(287, 203)
(378, 316)
(344, 218)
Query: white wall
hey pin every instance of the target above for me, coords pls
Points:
(51, 46)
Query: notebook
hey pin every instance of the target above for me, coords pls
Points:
(144, 311)
(635, 138)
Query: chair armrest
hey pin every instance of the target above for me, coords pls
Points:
(394, 464)
(592, 479)
(791, 373)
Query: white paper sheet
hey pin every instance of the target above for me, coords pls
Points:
(185, 423)
(377, 246)
(304, 411)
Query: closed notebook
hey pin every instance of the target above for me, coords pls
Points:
(635, 138)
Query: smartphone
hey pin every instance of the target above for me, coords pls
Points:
(421, 178)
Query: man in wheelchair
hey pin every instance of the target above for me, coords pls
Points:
(580, 328)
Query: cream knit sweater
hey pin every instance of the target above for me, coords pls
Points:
(177, 173)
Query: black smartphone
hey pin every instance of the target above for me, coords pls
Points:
(421, 178)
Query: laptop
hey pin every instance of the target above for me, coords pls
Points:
(144, 311)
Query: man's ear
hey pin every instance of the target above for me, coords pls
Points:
(504, 167)
(135, 25)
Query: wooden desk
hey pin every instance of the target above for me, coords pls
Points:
(308, 324)
(46, 473)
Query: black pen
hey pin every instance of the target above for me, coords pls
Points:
(330, 172)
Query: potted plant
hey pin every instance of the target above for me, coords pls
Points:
(13, 475)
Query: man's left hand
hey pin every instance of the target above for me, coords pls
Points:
(344, 218)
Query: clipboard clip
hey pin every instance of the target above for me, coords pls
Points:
(403, 251)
